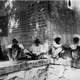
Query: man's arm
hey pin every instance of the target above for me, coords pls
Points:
(9, 54)
(8, 48)
(21, 46)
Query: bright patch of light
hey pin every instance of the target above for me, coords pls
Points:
(37, 25)
(10, 30)
(9, 3)
(75, 4)
(13, 22)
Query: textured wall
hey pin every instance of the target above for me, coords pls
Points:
(53, 17)
(29, 14)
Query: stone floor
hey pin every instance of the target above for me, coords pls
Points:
(49, 72)
(55, 72)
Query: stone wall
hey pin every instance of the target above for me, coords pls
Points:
(29, 14)
(43, 19)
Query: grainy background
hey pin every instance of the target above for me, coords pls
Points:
(53, 17)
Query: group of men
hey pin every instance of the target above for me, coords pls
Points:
(16, 51)
(38, 50)
(68, 50)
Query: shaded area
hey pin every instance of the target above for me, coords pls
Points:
(63, 17)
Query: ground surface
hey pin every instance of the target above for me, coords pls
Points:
(49, 72)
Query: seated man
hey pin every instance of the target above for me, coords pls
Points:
(60, 50)
(75, 51)
(37, 49)
(15, 50)
(57, 47)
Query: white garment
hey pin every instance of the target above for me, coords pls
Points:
(56, 49)
(36, 49)
(26, 51)
(73, 46)
(20, 45)
(40, 49)
(56, 45)
(45, 47)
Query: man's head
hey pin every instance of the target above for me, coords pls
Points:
(37, 42)
(75, 40)
(57, 40)
(14, 41)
